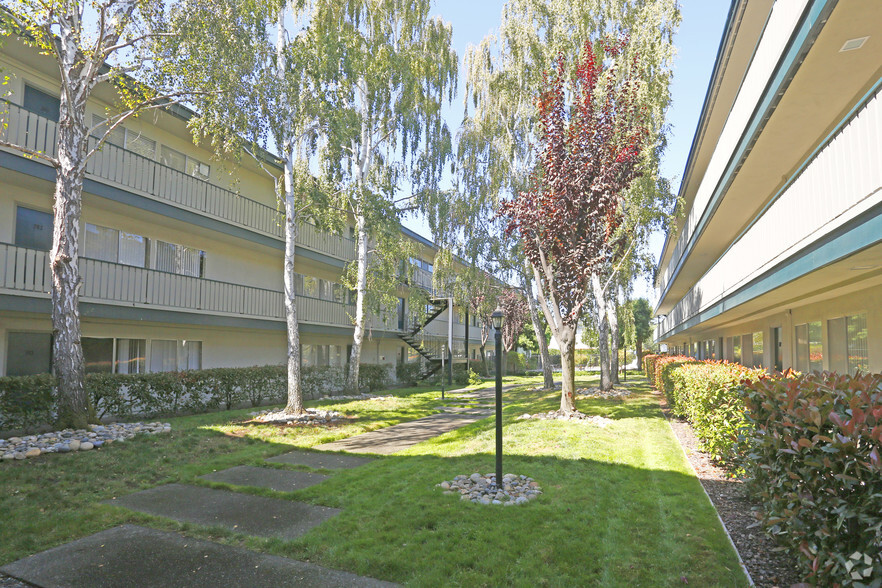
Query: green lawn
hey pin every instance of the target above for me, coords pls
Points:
(620, 505)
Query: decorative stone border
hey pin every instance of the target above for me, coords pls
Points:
(557, 415)
(70, 440)
(605, 394)
(482, 489)
(312, 416)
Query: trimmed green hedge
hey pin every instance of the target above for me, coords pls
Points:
(814, 458)
(708, 395)
(29, 401)
(664, 367)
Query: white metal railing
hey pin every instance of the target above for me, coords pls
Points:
(842, 181)
(145, 176)
(27, 270)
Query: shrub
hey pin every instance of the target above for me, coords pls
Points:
(373, 376)
(27, 401)
(709, 396)
(649, 365)
(460, 374)
(515, 363)
(475, 378)
(814, 458)
(664, 366)
(408, 373)
(318, 381)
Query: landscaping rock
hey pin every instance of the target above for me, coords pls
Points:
(312, 416)
(482, 489)
(598, 393)
(576, 416)
(70, 440)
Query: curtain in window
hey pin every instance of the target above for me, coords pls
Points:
(163, 356)
(132, 249)
(130, 356)
(101, 243)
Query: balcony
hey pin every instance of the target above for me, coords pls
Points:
(143, 176)
(26, 272)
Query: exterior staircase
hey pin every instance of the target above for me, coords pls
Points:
(433, 361)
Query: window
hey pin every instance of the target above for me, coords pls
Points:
(847, 344)
(138, 143)
(310, 286)
(758, 349)
(28, 354)
(131, 356)
(736, 349)
(184, 163)
(178, 259)
(33, 228)
(41, 103)
(809, 351)
(98, 355)
(116, 137)
(115, 246)
(169, 356)
(163, 356)
(423, 265)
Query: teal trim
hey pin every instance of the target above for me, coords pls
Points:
(811, 23)
(853, 237)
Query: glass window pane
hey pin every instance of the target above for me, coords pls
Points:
(758, 349)
(310, 286)
(163, 356)
(837, 345)
(189, 261)
(802, 348)
(173, 159)
(191, 355)
(132, 249)
(140, 144)
(858, 349)
(130, 356)
(197, 168)
(736, 349)
(41, 103)
(33, 228)
(97, 354)
(101, 243)
(28, 354)
(165, 257)
(816, 352)
(116, 137)
(306, 355)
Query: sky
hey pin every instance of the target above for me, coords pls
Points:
(697, 41)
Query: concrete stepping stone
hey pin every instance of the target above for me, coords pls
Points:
(320, 461)
(404, 435)
(130, 555)
(274, 479)
(244, 513)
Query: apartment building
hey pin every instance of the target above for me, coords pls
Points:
(776, 260)
(181, 256)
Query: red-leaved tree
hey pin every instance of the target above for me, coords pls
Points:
(514, 306)
(590, 140)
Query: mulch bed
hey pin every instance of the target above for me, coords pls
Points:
(768, 565)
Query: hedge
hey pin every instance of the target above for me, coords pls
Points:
(814, 459)
(664, 367)
(649, 365)
(708, 395)
(29, 401)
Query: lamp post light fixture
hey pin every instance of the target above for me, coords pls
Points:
(496, 319)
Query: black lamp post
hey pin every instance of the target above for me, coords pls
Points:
(496, 319)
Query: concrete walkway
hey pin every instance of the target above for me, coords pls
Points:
(468, 407)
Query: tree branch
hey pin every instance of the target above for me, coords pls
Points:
(30, 152)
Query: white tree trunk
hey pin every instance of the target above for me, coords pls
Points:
(547, 374)
(295, 391)
(360, 293)
(602, 333)
(566, 338)
(612, 318)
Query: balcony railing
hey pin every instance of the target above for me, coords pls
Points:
(144, 176)
(27, 270)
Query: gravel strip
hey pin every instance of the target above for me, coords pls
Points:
(768, 568)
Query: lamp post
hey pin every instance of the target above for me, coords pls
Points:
(496, 319)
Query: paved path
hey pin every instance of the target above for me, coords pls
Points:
(130, 555)
(468, 407)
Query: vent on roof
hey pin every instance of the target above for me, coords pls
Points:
(853, 44)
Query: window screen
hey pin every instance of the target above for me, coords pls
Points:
(41, 103)
(33, 228)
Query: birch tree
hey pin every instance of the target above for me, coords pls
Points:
(155, 53)
(397, 68)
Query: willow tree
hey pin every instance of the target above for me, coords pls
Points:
(155, 53)
(591, 134)
(397, 69)
(504, 74)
